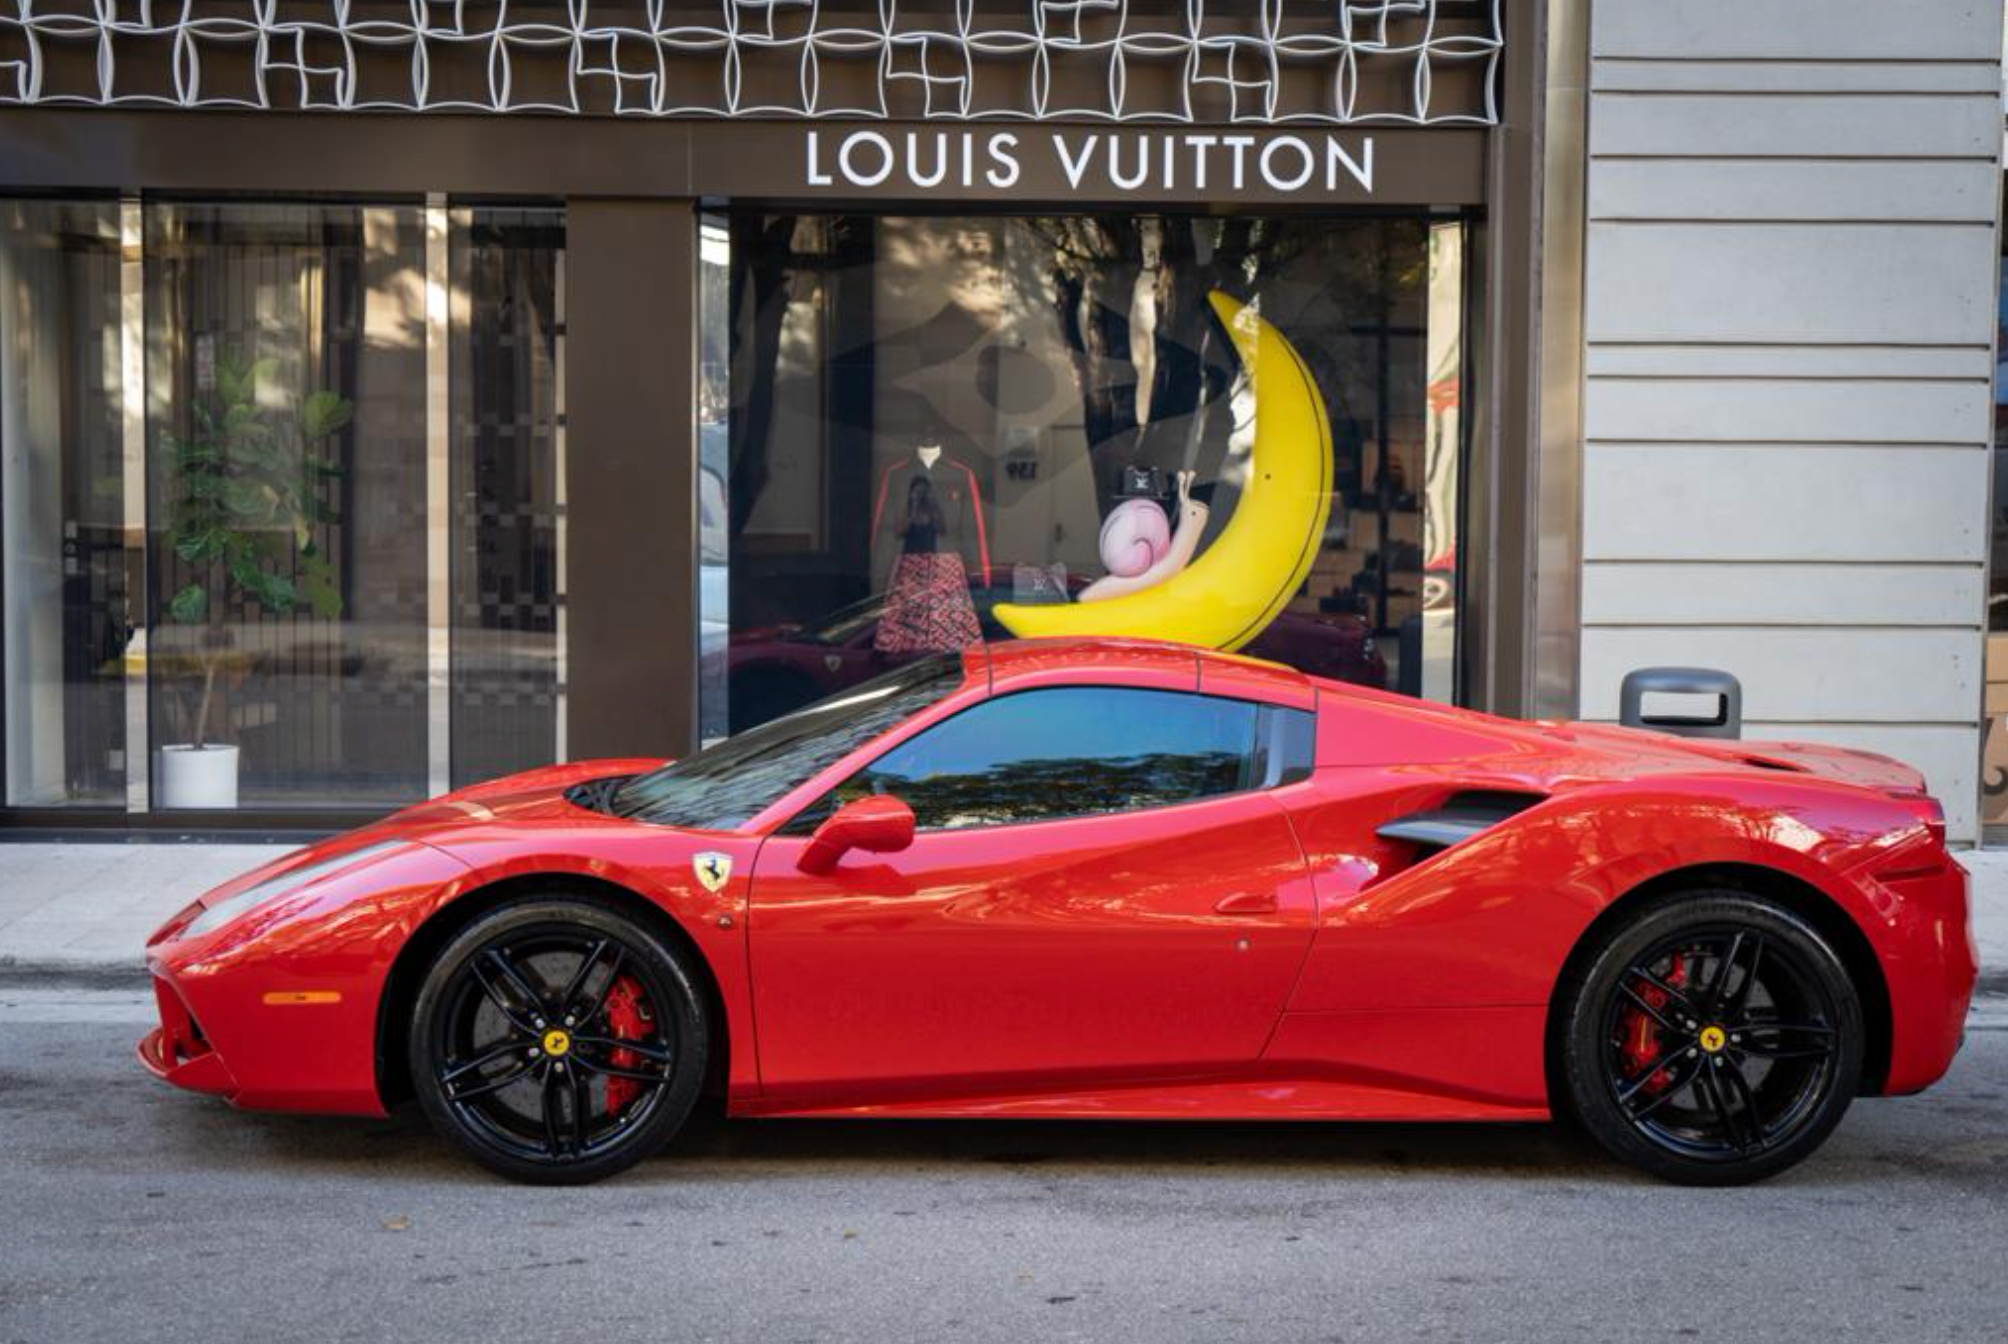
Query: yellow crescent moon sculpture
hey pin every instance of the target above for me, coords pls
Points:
(1254, 567)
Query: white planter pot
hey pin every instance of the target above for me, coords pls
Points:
(198, 776)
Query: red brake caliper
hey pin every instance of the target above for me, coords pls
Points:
(627, 1019)
(1642, 1045)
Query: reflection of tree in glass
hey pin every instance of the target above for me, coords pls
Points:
(1032, 790)
(1336, 288)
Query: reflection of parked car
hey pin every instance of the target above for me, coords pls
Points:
(778, 668)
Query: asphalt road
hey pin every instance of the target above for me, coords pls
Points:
(129, 1211)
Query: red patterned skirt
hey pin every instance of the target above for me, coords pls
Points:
(927, 609)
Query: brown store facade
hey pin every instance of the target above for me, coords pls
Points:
(400, 439)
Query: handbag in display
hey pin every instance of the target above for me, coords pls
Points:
(1141, 483)
(1034, 584)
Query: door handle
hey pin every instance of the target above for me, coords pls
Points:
(1247, 903)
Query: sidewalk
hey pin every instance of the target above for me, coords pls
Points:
(88, 908)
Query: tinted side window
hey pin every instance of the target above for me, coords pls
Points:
(1066, 752)
(1286, 746)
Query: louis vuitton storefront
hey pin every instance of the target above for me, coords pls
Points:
(397, 395)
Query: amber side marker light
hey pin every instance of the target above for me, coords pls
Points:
(288, 997)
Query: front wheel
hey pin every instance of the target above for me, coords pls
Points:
(557, 1042)
(1714, 1040)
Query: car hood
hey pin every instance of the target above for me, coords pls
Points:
(524, 798)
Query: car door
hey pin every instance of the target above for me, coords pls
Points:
(1100, 889)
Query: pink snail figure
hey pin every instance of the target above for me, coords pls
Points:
(1135, 536)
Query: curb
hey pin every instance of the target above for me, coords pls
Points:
(72, 975)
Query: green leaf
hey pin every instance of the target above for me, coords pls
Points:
(189, 606)
(249, 498)
(259, 371)
(244, 564)
(231, 378)
(317, 586)
(192, 454)
(323, 413)
(279, 594)
(275, 591)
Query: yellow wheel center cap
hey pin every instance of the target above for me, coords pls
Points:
(560, 1042)
(1713, 1038)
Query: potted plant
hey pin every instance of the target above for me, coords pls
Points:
(244, 498)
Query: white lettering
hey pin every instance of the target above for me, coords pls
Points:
(1075, 168)
(1304, 158)
(817, 177)
(1003, 148)
(1200, 144)
(1116, 164)
(1239, 145)
(850, 170)
(1362, 171)
(1125, 162)
(913, 172)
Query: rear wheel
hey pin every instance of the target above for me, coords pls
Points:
(556, 1041)
(1714, 1040)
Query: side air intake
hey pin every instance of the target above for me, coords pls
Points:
(1462, 816)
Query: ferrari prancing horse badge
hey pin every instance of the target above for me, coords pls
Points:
(713, 869)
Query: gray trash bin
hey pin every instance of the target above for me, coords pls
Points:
(1727, 721)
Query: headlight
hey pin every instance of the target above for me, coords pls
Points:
(224, 911)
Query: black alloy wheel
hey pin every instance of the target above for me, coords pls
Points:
(1714, 1040)
(557, 1042)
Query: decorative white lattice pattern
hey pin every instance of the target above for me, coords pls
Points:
(1176, 61)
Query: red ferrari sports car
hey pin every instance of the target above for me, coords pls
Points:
(1112, 879)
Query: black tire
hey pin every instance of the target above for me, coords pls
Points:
(1713, 1039)
(506, 1077)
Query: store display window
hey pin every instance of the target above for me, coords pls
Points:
(913, 420)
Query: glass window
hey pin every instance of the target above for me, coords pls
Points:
(1286, 745)
(727, 784)
(217, 435)
(928, 416)
(286, 440)
(1067, 752)
(714, 399)
(508, 323)
(62, 505)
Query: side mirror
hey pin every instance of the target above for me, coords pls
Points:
(882, 824)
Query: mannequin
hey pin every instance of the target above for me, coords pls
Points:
(955, 491)
(927, 605)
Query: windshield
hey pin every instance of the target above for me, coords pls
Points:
(728, 783)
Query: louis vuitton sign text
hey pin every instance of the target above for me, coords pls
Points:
(1101, 163)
